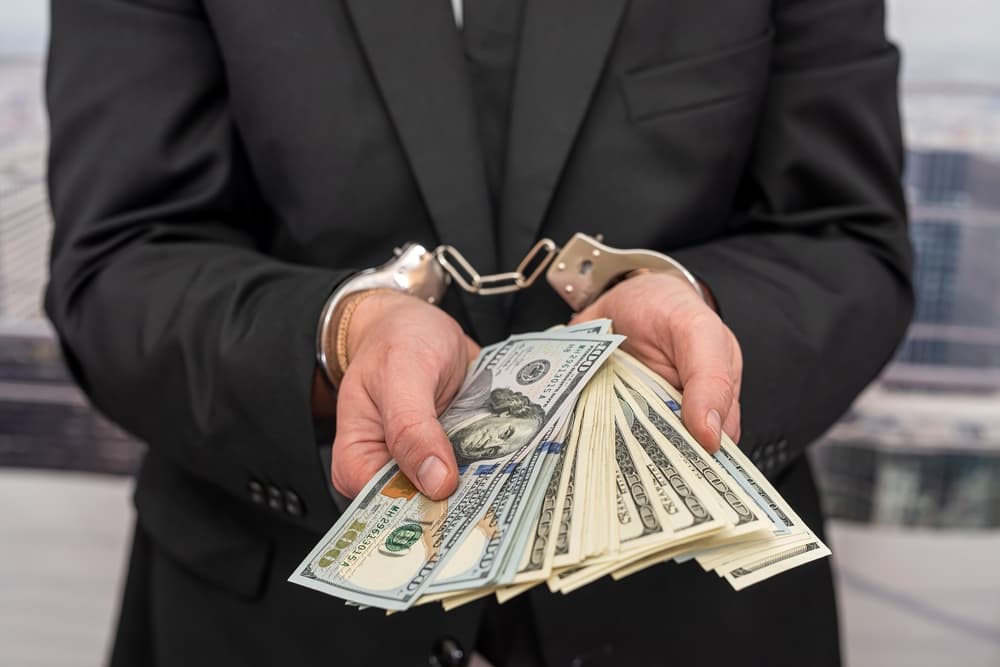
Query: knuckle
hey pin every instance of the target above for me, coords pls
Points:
(718, 386)
(402, 422)
(453, 328)
(342, 478)
(396, 348)
(404, 439)
(702, 318)
(407, 361)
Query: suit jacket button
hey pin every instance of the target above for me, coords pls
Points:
(447, 652)
(293, 504)
(256, 491)
(274, 498)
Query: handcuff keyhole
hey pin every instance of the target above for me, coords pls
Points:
(585, 267)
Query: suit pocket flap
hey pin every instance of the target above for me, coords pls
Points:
(697, 82)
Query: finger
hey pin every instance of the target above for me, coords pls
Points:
(731, 426)
(472, 349)
(737, 368)
(594, 311)
(704, 365)
(359, 449)
(414, 435)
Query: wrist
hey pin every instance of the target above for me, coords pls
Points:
(334, 331)
(413, 271)
(363, 311)
(351, 319)
(697, 286)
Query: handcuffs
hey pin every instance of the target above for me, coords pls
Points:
(579, 272)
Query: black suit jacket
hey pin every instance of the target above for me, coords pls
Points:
(219, 166)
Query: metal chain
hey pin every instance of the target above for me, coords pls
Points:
(462, 272)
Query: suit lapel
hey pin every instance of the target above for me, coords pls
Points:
(415, 53)
(564, 45)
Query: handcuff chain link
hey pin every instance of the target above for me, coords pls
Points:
(466, 277)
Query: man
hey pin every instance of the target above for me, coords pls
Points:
(219, 167)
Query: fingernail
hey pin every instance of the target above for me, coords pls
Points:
(432, 474)
(714, 423)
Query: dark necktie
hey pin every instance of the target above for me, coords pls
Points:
(491, 32)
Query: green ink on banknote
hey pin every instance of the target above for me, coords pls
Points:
(402, 538)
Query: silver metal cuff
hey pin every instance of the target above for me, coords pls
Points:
(414, 271)
(585, 268)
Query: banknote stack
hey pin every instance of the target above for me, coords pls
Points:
(574, 465)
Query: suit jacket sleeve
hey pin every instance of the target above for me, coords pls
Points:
(815, 278)
(172, 320)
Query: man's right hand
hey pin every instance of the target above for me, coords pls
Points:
(407, 359)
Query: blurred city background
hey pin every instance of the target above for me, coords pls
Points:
(910, 477)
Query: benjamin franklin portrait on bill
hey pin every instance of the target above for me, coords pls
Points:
(487, 423)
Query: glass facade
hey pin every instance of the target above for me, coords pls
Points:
(45, 421)
(864, 481)
(936, 243)
(956, 237)
(921, 448)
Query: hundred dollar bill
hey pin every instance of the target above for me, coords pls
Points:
(735, 485)
(526, 531)
(751, 573)
(658, 506)
(480, 556)
(599, 522)
(787, 531)
(531, 566)
(602, 326)
(566, 501)
(389, 545)
(684, 498)
(635, 503)
(569, 548)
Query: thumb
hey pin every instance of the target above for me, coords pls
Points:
(710, 390)
(415, 438)
(359, 447)
(708, 401)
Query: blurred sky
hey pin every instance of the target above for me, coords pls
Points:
(943, 39)
(948, 39)
(23, 25)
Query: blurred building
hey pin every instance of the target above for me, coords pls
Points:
(954, 342)
(45, 421)
(922, 446)
(25, 225)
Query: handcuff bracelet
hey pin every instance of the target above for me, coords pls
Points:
(579, 272)
(412, 271)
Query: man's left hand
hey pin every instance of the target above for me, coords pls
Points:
(674, 332)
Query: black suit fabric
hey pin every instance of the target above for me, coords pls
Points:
(491, 31)
(219, 167)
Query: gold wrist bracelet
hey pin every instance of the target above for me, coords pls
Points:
(344, 325)
(343, 315)
(413, 270)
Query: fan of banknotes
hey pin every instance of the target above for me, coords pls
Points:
(574, 465)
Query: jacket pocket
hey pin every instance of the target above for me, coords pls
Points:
(699, 82)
